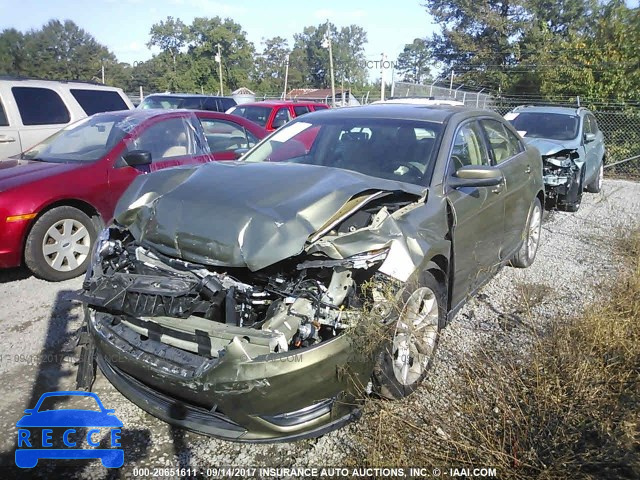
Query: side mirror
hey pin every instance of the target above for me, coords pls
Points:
(137, 158)
(239, 152)
(589, 137)
(476, 176)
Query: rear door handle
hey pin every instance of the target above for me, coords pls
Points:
(528, 169)
(6, 139)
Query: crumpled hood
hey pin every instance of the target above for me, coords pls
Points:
(240, 214)
(548, 146)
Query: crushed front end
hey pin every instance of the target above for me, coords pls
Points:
(241, 355)
(563, 179)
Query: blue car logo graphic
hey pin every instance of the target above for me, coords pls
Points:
(79, 445)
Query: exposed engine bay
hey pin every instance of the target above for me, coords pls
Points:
(563, 178)
(293, 304)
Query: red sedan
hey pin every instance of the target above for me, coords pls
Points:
(55, 197)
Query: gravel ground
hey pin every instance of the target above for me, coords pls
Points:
(39, 322)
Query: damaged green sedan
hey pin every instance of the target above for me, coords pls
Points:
(261, 300)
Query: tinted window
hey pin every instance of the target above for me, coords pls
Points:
(300, 110)
(320, 107)
(227, 103)
(224, 136)
(502, 142)
(40, 106)
(159, 101)
(555, 126)
(468, 147)
(192, 103)
(212, 104)
(96, 101)
(4, 122)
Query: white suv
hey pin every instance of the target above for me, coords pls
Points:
(32, 110)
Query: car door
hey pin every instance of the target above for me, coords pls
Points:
(9, 138)
(478, 215)
(171, 141)
(508, 154)
(281, 117)
(225, 137)
(594, 149)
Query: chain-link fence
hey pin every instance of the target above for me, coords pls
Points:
(620, 125)
(469, 97)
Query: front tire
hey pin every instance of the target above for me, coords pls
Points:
(407, 356)
(527, 253)
(59, 244)
(596, 185)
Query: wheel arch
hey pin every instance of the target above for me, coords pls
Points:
(84, 206)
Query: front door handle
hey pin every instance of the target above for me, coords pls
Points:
(497, 189)
(528, 169)
(6, 139)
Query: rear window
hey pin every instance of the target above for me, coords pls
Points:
(97, 101)
(320, 107)
(40, 106)
(3, 116)
(227, 103)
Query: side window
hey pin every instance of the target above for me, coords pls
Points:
(224, 136)
(468, 147)
(594, 124)
(96, 101)
(40, 106)
(320, 107)
(282, 117)
(167, 139)
(4, 121)
(300, 110)
(502, 143)
(227, 103)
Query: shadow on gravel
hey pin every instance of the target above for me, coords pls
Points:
(13, 274)
(55, 370)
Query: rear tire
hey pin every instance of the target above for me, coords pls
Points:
(596, 185)
(407, 356)
(59, 244)
(527, 253)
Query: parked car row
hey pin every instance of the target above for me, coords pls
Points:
(255, 300)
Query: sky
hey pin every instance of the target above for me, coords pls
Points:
(123, 25)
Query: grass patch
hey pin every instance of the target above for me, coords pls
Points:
(567, 408)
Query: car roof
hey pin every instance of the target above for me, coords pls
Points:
(549, 109)
(403, 111)
(277, 103)
(183, 95)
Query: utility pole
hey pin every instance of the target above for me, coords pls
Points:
(333, 83)
(382, 77)
(219, 60)
(286, 78)
(451, 83)
(103, 73)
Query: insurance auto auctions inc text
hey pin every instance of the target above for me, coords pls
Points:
(344, 472)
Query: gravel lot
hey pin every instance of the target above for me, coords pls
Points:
(39, 324)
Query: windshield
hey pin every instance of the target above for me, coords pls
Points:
(85, 141)
(255, 113)
(554, 126)
(392, 149)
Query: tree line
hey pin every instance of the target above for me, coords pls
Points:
(513, 47)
